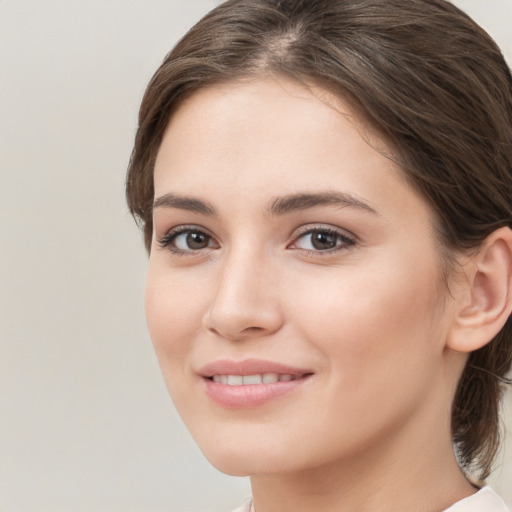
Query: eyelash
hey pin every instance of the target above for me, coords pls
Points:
(167, 241)
(343, 240)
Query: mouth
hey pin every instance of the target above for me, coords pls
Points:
(250, 383)
(258, 378)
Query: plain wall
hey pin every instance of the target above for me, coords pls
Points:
(85, 421)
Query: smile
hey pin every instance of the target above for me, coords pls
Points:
(250, 383)
(261, 378)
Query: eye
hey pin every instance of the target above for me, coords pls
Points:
(322, 239)
(186, 240)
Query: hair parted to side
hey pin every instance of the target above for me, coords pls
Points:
(427, 76)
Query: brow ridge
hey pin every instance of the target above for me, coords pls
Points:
(305, 200)
(279, 205)
(191, 204)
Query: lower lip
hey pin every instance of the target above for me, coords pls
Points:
(250, 395)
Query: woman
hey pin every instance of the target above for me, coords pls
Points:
(324, 189)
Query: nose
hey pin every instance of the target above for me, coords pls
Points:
(245, 303)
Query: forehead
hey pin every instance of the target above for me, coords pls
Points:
(264, 138)
(263, 116)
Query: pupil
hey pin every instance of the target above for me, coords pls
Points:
(322, 240)
(197, 240)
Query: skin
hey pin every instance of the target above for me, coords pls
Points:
(370, 318)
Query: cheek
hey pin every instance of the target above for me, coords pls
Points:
(374, 320)
(376, 333)
(173, 313)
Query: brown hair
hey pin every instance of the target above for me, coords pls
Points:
(427, 76)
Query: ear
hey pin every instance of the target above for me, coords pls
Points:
(485, 301)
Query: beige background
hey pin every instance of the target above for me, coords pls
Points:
(85, 422)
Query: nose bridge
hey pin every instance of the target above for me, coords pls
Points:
(246, 301)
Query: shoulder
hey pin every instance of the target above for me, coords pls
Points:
(485, 500)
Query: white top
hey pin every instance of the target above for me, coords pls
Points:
(485, 500)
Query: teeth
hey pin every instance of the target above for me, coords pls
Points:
(261, 378)
(235, 380)
(252, 379)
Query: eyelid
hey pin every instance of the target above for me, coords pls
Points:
(349, 238)
(307, 228)
(165, 241)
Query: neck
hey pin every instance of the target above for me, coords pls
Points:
(409, 470)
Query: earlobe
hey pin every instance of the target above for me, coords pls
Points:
(485, 304)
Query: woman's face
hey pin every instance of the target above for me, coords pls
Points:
(294, 292)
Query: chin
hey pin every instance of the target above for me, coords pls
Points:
(238, 466)
(250, 459)
(232, 462)
(233, 467)
(245, 458)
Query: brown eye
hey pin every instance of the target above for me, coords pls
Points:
(191, 240)
(323, 240)
(187, 240)
(196, 240)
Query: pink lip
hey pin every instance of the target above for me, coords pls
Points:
(252, 395)
(248, 367)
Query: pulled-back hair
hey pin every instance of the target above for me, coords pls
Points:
(427, 76)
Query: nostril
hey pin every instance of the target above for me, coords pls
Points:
(239, 321)
(249, 330)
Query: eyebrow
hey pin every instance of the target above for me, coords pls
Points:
(190, 204)
(303, 201)
(279, 206)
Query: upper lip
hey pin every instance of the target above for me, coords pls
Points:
(248, 367)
